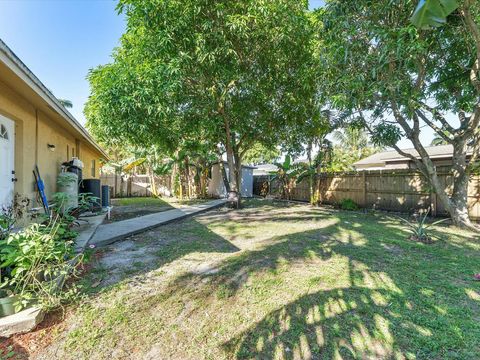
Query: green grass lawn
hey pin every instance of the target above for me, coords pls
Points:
(152, 201)
(140, 201)
(128, 208)
(276, 281)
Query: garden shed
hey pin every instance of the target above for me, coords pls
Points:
(216, 187)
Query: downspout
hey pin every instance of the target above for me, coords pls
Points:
(36, 137)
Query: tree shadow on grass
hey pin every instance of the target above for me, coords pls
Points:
(390, 297)
(404, 299)
(149, 251)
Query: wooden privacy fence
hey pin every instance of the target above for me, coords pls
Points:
(392, 190)
(136, 185)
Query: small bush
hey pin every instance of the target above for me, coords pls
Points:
(419, 228)
(348, 204)
(36, 264)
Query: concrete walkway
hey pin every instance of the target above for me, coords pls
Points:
(109, 233)
(86, 230)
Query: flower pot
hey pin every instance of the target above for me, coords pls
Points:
(7, 305)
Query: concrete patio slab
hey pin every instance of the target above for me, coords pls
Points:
(109, 233)
(21, 322)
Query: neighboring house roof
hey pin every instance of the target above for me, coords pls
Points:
(243, 166)
(264, 169)
(13, 62)
(379, 159)
(300, 161)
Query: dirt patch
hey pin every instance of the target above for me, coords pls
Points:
(23, 346)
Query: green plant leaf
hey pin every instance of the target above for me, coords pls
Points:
(433, 13)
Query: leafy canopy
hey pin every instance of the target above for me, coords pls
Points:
(209, 71)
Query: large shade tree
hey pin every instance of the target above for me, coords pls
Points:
(398, 78)
(233, 73)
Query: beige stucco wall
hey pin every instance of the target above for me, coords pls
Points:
(34, 130)
(87, 155)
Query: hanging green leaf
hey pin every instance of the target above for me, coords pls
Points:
(433, 13)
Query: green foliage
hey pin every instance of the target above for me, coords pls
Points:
(261, 154)
(286, 175)
(10, 214)
(439, 140)
(353, 144)
(86, 202)
(214, 72)
(380, 79)
(419, 227)
(37, 260)
(433, 13)
(66, 103)
(385, 134)
(348, 204)
(7, 221)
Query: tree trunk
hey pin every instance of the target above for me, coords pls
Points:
(232, 179)
(457, 204)
(238, 172)
(203, 183)
(188, 191)
(233, 194)
(459, 199)
(224, 175)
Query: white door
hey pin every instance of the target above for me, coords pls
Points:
(7, 160)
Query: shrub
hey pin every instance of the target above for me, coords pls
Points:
(10, 214)
(348, 204)
(419, 228)
(36, 262)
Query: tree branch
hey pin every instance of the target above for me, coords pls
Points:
(475, 31)
(439, 117)
(401, 152)
(438, 130)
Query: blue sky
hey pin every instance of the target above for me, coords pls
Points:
(316, 3)
(60, 40)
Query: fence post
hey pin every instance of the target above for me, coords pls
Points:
(364, 177)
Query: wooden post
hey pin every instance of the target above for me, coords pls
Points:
(364, 190)
(115, 188)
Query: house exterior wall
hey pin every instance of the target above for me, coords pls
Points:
(400, 165)
(34, 130)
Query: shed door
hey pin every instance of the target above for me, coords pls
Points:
(7, 146)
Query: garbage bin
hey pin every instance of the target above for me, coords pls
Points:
(105, 195)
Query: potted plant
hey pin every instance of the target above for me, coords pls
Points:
(8, 303)
(7, 298)
(40, 260)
